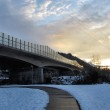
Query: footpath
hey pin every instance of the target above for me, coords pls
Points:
(58, 99)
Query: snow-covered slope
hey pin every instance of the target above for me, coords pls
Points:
(22, 99)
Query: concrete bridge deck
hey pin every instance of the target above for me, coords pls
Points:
(30, 61)
(59, 99)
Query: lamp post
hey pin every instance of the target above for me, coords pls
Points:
(32, 73)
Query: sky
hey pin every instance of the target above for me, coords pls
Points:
(80, 27)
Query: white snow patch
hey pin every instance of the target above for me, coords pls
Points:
(90, 97)
(66, 80)
(23, 99)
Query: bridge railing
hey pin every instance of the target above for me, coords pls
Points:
(37, 49)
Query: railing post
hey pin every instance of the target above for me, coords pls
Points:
(20, 44)
(40, 49)
(31, 47)
(2, 38)
(24, 45)
(37, 50)
(12, 41)
(34, 48)
(44, 51)
(8, 39)
(28, 46)
(47, 51)
(50, 53)
(15, 42)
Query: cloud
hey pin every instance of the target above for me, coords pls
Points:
(95, 11)
(26, 7)
(43, 10)
(101, 41)
(108, 37)
(85, 33)
(14, 22)
(97, 26)
(53, 10)
(80, 27)
(82, 2)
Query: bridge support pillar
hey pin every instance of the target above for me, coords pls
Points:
(41, 74)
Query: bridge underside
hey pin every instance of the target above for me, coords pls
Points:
(20, 72)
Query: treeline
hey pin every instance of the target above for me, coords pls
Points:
(94, 76)
(91, 74)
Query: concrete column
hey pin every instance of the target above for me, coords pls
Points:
(41, 74)
(32, 74)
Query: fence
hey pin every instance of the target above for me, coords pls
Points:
(37, 49)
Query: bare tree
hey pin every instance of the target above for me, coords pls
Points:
(96, 60)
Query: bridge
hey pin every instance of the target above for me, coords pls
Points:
(29, 62)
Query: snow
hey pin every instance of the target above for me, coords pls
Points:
(90, 97)
(66, 80)
(23, 99)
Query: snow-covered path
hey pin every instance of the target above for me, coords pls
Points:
(22, 99)
(90, 97)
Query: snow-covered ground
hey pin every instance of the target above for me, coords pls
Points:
(90, 97)
(22, 99)
(66, 80)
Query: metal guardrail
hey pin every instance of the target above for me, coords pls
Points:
(37, 49)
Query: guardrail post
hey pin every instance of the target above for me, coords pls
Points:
(28, 46)
(49, 51)
(31, 47)
(12, 41)
(45, 51)
(24, 45)
(20, 44)
(40, 49)
(37, 50)
(34, 48)
(15, 42)
(2, 38)
(8, 39)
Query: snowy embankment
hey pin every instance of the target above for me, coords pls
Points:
(22, 99)
(90, 97)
